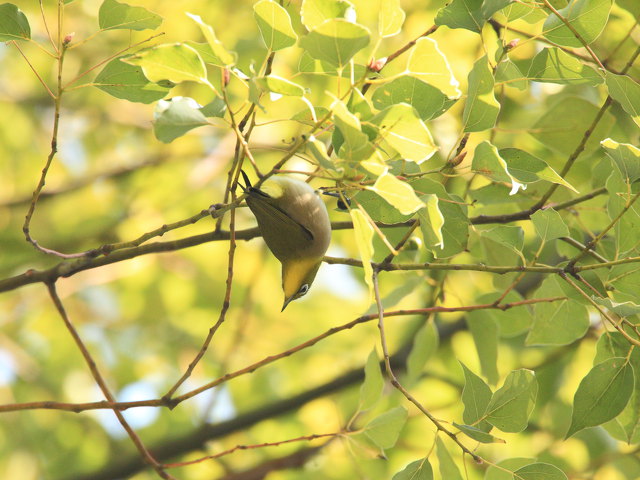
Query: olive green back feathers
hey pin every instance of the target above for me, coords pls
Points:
(295, 225)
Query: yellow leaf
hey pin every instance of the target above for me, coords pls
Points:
(364, 240)
(398, 193)
(429, 64)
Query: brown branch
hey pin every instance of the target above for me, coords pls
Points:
(254, 446)
(97, 376)
(52, 152)
(221, 317)
(79, 407)
(123, 467)
(575, 33)
(593, 242)
(394, 380)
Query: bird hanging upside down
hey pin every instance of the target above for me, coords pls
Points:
(295, 225)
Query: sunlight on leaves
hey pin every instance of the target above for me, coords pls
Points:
(429, 64)
(114, 15)
(587, 17)
(335, 41)
(275, 25)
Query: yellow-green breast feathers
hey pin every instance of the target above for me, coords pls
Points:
(295, 225)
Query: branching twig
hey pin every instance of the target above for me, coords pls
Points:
(103, 384)
(396, 383)
(567, 23)
(302, 438)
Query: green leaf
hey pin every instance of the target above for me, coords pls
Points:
(489, 7)
(114, 15)
(384, 430)
(335, 41)
(481, 108)
(513, 321)
(431, 222)
(563, 125)
(428, 101)
(477, 434)
(626, 426)
(371, 388)
(281, 86)
(509, 74)
(624, 309)
(552, 65)
(390, 18)
(316, 12)
(418, 470)
(175, 117)
(397, 193)
(426, 62)
(488, 162)
(509, 236)
(549, 224)
(465, 14)
(539, 471)
(359, 105)
(484, 331)
(379, 209)
(275, 25)
(627, 228)
(173, 62)
(425, 344)
(216, 108)
(363, 232)
(587, 17)
(455, 231)
(318, 151)
(403, 130)
(515, 166)
(13, 23)
(448, 468)
(602, 394)
(511, 406)
(476, 396)
(625, 156)
(528, 169)
(626, 92)
(504, 470)
(557, 323)
(224, 57)
(355, 144)
(128, 82)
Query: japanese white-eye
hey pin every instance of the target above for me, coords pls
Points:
(295, 225)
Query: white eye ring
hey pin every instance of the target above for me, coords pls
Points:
(303, 289)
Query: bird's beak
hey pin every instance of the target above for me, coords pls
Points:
(287, 301)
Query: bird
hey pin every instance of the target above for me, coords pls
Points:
(295, 225)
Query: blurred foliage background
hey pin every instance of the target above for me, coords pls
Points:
(144, 319)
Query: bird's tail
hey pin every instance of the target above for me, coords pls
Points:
(247, 183)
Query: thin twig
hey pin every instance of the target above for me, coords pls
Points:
(102, 405)
(109, 58)
(44, 84)
(97, 376)
(52, 153)
(46, 27)
(302, 438)
(221, 317)
(575, 32)
(592, 243)
(398, 385)
(601, 310)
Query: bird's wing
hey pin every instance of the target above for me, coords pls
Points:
(265, 210)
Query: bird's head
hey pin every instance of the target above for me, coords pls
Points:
(297, 276)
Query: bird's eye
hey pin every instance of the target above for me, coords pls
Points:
(303, 290)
